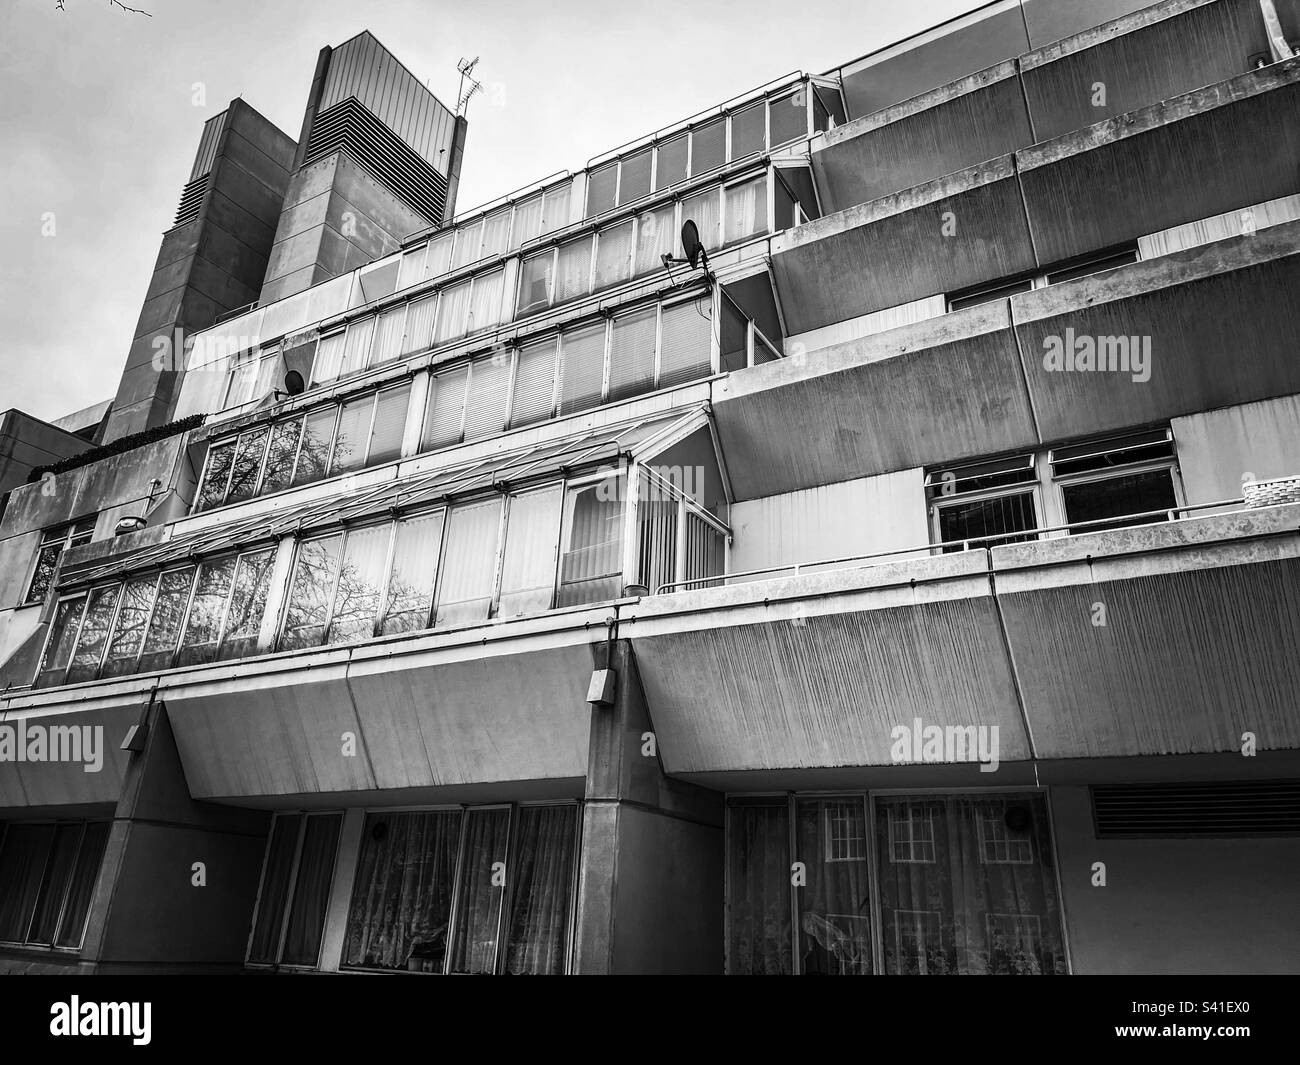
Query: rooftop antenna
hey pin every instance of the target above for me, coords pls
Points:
(696, 255)
(466, 68)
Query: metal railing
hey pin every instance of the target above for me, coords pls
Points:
(978, 542)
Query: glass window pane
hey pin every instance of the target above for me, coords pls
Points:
(705, 210)
(361, 583)
(414, 573)
(389, 425)
(670, 167)
(356, 350)
(62, 638)
(632, 354)
(445, 409)
(542, 874)
(310, 593)
(216, 477)
(614, 254)
(389, 335)
(439, 257)
(592, 566)
(789, 117)
(478, 899)
(277, 871)
(573, 270)
(77, 907)
(401, 901)
(528, 562)
(129, 628)
(758, 890)
(58, 873)
(1001, 516)
(708, 146)
(469, 244)
(555, 207)
(748, 130)
(165, 624)
(280, 455)
(247, 604)
(746, 209)
(247, 465)
(582, 374)
(469, 563)
(329, 358)
(314, 455)
(1116, 497)
(535, 281)
(601, 186)
(534, 394)
(733, 338)
(485, 303)
(419, 323)
(311, 890)
(453, 310)
(353, 434)
(489, 386)
(203, 627)
(634, 179)
(94, 634)
(835, 903)
(528, 221)
(656, 236)
(685, 335)
(23, 853)
(496, 231)
(412, 269)
(47, 564)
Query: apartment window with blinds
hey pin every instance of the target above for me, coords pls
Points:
(746, 210)
(445, 409)
(614, 254)
(426, 897)
(453, 312)
(535, 379)
(708, 146)
(602, 189)
(469, 243)
(591, 566)
(487, 396)
(294, 892)
(685, 343)
(408, 598)
(572, 270)
(670, 162)
(469, 563)
(582, 369)
(748, 130)
(705, 210)
(656, 236)
(634, 176)
(632, 353)
(485, 301)
(53, 543)
(529, 554)
(48, 872)
(535, 274)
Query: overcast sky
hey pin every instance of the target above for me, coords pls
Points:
(99, 121)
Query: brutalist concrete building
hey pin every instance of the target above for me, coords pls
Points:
(908, 583)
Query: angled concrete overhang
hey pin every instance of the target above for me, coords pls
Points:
(951, 233)
(931, 391)
(955, 126)
(1229, 145)
(1219, 322)
(489, 709)
(815, 671)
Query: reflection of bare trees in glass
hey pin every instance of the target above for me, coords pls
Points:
(313, 456)
(280, 453)
(247, 465)
(129, 629)
(164, 627)
(199, 644)
(247, 604)
(309, 594)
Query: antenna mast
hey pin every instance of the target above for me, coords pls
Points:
(466, 68)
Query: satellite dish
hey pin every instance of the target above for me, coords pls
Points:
(691, 242)
(293, 383)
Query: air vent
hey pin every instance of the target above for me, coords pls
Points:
(1251, 808)
(191, 201)
(350, 127)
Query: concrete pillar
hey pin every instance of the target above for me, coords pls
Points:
(650, 885)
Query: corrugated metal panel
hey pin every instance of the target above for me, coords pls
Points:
(207, 153)
(363, 68)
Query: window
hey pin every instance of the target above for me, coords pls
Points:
(496, 234)
(685, 343)
(207, 613)
(445, 409)
(60, 641)
(281, 452)
(47, 878)
(591, 567)
(453, 313)
(985, 503)
(412, 575)
(705, 210)
(602, 189)
(573, 270)
(708, 146)
(634, 176)
(485, 300)
(999, 842)
(555, 207)
(311, 592)
(246, 467)
(582, 374)
(535, 275)
(746, 210)
(1116, 482)
(656, 236)
(129, 628)
(314, 449)
(911, 834)
(528, 221)
(390, 332)
(53, 543)
(360, 584)
(632, 353)
(164, 631)
(989, 294)
(487, 396)
(469, 563)
(528, 559)
(329, 358)
(833, 935)
(93, 637)
(534, 387)
(427, 897)
(748, 130)
(788, 117)
(469, 244)
(1093, 265)
(295, 888)
(670, 164)
(614, 254)
(759, 928)
(438, 261)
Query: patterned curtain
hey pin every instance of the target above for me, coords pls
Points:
(758, 881)
(542, 873)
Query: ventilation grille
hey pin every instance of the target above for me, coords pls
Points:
(1253, 808)
(351, 127)
(191, 200)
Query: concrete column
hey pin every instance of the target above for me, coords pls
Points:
(650, 886)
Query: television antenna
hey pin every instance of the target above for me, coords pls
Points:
(466, 68)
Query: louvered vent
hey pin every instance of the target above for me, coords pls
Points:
(350, 127)
(1237, 808)
(191, 200)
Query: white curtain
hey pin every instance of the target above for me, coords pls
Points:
(453, 309)
(469, 565)
(746, 209)
(573, 272)
(528, 565)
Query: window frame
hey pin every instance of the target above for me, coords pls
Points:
(54, 947)
(75, 533)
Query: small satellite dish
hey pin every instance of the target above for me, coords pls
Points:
(293, 383)
(691, 242)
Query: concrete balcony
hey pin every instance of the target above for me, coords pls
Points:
(800, 680)
(1219, 319)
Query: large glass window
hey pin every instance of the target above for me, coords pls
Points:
(656, 236)
(582, 374)
(47, 878)
(602, 187)
(61, 640)
(528, 561)
(413, 574)
(573, 270)
(708, 146)
(534, 387)
(445, 409)
(634, 176)
(311, 592)
(1116, 481)
(685, 343)
(484, 890)
(535, 281)
(360, 584)
(487, 396)
(670, 166)
(53, 543)
(789, 117)
(453, 312)
(746, 210)
(469, 562)
(632, 353)
(295, 888)
(281, 453)
(758, 889)
(614, 255)
(130, 626)
(748, 130)
(705, 210)
(93, 638)
(591, 567)
(207, 612)
(164, 631)
(485, 301)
